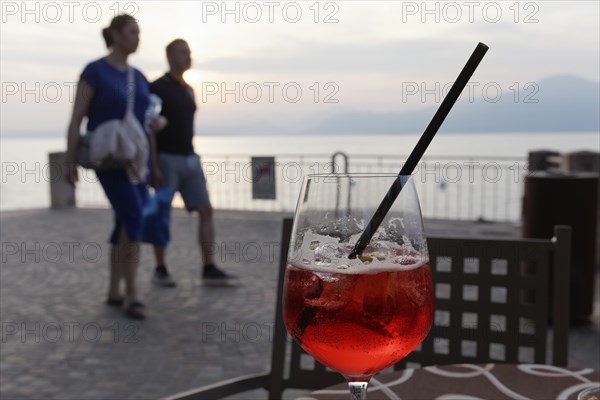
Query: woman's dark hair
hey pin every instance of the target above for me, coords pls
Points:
(116, 24)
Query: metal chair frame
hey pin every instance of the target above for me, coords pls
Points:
(492, 305)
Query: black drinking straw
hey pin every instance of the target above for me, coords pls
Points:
(419, 150)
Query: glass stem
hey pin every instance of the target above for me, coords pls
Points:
(358, 390)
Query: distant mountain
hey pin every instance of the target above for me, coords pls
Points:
(239, 127)
(564, 104)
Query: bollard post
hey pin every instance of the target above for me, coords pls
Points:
(541, 160)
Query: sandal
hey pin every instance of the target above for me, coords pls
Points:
(115, 302)
(135, 310)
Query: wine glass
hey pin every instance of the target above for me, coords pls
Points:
(357, 316)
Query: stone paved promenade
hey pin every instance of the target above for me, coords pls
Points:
(59, 340)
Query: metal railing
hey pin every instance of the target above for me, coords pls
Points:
(451, 187)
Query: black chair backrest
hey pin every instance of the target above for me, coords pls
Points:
(494, 300)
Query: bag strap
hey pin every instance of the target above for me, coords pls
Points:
(130, 89)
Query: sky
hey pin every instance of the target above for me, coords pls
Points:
(287, 65)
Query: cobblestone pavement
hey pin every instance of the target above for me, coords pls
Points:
(59, 339)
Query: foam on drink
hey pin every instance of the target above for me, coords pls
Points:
(326, 254)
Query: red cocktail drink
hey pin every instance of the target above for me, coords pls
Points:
(362, 320)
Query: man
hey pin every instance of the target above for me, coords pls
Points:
(179, 165)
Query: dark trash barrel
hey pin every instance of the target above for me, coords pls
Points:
(567, 199)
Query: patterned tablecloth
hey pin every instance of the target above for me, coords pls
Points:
(474, 382)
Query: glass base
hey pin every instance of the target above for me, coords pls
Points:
(358, 390)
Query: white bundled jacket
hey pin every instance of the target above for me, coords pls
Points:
(123, 139)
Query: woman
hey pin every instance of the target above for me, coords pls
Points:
(102, 96)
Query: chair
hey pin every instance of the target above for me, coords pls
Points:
(491, 306)
(494, 299)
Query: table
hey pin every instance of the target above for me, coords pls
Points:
(474, 382)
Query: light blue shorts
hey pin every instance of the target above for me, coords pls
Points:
(184, 174)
